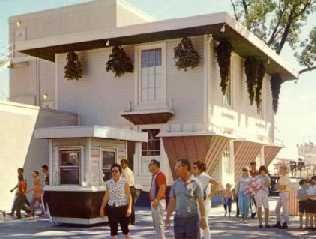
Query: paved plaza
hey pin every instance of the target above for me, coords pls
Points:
(221, 228)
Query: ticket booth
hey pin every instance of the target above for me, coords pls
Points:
(80, 159)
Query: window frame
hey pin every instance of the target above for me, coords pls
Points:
(80, 165)
(138, 86)
(112, 150)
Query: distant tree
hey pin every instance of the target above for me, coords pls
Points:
(278, 22)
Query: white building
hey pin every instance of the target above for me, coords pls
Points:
(184, 112)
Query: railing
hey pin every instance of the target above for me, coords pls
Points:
(154, 105)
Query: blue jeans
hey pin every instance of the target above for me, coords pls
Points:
(243, 204)
(187, 227)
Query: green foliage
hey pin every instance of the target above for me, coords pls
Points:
(223, 52)
(251, 67)
(308, 55)
(276, 82)
(73, 68)
(278, 22)
(185, 54)
(261, 71)
(119, 62)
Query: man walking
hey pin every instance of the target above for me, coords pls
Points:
(130, 178)
(157, 197)
(186, 198)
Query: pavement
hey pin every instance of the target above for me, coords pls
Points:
(221, 228)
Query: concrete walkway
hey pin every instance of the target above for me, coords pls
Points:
(221, 228)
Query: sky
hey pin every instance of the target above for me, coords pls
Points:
(296, 118)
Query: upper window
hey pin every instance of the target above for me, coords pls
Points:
(151, 75)
(69, 166)
(152, 147)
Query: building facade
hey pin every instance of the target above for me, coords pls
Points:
(184, 113)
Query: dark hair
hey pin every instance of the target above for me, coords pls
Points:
(263, 168)
(200, 165)
(302, 181)
(156, 162)
(124, 161)
(44, 166)
(244, 169)
(116, 166)
(313, 178)
(21, 170)
(36, 172)
(253, 163)
(185, 163)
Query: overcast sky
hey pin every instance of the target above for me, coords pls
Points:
(296, 119)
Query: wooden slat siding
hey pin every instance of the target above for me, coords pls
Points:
(245, 152)
(214, 158)
(214, 144)
(269, 153)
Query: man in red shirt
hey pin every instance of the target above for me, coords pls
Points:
(157, 196)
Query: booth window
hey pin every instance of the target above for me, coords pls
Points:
(69, 166)
(108, 159)
(152, 147)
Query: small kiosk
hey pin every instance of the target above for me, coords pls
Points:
(80, 158)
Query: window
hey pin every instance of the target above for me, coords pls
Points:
(227, 161)
(152, 147)
(151, 75)
(108, 159)
(69, 166)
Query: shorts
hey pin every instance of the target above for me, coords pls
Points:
(302, 206)
(262, 199)
(311, 206)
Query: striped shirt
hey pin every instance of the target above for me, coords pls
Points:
(117, 194)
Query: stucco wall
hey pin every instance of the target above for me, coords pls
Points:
(19, 148)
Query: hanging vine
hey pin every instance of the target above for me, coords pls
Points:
(251, 66)
(276, 82)
(119, 62)
(261, 71)
(185, 54)
(223, 52)
(73, 68)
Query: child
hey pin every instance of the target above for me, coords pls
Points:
(302, 200)
(311, 203)
(37, 192)
(261, 196)
(228, 199)
(283, 201)
(21, 200)
(243, 196)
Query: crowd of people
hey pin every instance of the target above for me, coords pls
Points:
(189, 197)
(38, 200)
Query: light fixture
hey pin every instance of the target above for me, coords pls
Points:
(223, 28)
(44, 96)
(107, 43)
(18, 23)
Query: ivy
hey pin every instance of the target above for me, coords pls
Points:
(223, 52)
(276, 82)
(185, 54)
(73, 68)
(119, 62)
(261, 71)
(251, 66)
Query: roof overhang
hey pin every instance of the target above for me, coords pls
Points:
(244, 42)
(90, 132)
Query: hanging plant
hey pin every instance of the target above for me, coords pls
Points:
(224, 51)
(261, 71)
(119, 62)
(73, 68)
(276, 82)
(185, 54)
(251, 66)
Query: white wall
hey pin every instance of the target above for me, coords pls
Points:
(19, 148)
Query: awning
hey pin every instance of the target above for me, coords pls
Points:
(103, 132)
(148, 117)
(245, 152)
(207, 148)
(270, 152)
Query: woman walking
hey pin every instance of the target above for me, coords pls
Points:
(118, 201)
(243, 195)
(37, 193)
